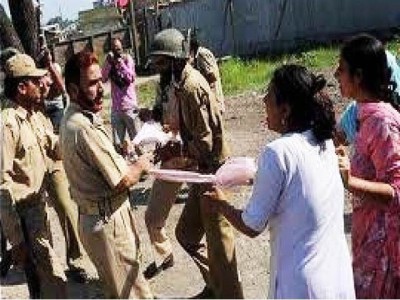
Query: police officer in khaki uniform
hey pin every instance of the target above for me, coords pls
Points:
(23, 209)
(202, 131)
(99, 181)
(57, 183)
(204, 60)
(6, 259)
(163, 193)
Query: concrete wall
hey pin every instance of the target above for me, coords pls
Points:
(250, 26)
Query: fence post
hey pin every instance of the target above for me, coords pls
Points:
(91, 43)
(146, 33)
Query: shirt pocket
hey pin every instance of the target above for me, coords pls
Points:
(29, 150)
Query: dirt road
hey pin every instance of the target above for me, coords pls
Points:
(247, 136)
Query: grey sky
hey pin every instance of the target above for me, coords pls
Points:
(68, 8)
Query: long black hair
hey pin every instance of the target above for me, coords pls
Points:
(365, 56)
(310, 107)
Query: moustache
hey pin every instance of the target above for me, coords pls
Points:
(100, 95)
(90, 103)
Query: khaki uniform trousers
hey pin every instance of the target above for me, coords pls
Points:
(53, 283)
(112, 244)
(67, 211)
(217, 260)
(162, 198)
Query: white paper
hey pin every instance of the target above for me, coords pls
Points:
(151, 132)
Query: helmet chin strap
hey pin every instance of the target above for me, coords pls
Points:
(175, 76)
(172, 70)
(177, 68)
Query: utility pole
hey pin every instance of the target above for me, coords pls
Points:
(158, 17)
(134, 32)
(39, 17)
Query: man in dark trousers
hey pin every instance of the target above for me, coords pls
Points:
(202, 131)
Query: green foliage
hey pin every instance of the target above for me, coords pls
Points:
(239, 75)
(147, 94)
(316, 59)
(394, 47)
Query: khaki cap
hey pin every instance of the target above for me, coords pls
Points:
(22, 65)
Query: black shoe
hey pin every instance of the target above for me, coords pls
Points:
(152, 270)
(5, 264)
(77, 275)
(206, 293)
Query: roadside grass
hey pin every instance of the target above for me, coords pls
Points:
(240, 75)
(147, 94)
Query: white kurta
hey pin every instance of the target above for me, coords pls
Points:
(299, 192)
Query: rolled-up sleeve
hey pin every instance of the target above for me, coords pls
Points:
(267, 189)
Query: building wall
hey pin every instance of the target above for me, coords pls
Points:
(250, 26)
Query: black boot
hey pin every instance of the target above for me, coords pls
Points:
(6, 262)
(152, 270)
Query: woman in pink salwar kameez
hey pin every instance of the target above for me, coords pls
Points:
(373, 175)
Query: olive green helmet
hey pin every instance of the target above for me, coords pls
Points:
(170, 42)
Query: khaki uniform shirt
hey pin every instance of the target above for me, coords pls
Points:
(92, 165)
(23, 166)
(201, 124)
(207, 64)
(48, 140)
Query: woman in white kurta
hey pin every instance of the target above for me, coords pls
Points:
(299, 193)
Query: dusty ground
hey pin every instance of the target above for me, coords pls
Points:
(247, 135)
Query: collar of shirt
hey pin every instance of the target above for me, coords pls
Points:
(94, 118)
(21, 112)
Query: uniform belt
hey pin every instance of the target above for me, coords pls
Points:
(103, 207)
